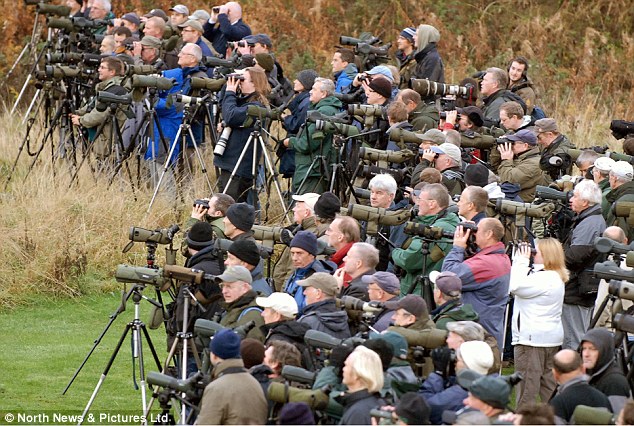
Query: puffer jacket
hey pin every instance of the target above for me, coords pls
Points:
(343, 79)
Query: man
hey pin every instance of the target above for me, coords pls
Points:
(405, 56)
(421, 115)
(581, 255)
(155, 26)
(361, 260)
(520, 163)
(428, 62)
(246, 253)
(432, 201)
(303, 251)
(310, 175)
(448, 298)
(132, 21)
(621, 189)
(110, 74)
(485, 276)
(321, 312)
(520, 84)
(217, 208)
(343, 69)
(432, 137)
(494, 94)
(410, 312)
(233, 396)
(573, 387)
(180, 14)
(342, 233)
(280, 310)
(225, 24)
(100, 10)
(238, 222)
(382, 287)
(192, 32)
(555, 160)
(600, 170)
(473, 203)
(384, 237)
(106, 48)
(239, 298)
(147, 52)
(378, 92)
(487, 394)
(598, 355)
(512, 117)
(447, 159)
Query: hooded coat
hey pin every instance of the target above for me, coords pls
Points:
(325, 316)
(606, 375)
(343, 78)
(428, 61)
(243, 310)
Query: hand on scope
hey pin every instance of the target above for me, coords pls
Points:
(506, 151)
(199, 211)
(451, 117)
(460, 237)
(75, 119)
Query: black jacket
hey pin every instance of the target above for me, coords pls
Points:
(357, 406)
(574, 393)
(606, 375)
(325, 316)
(222, 31)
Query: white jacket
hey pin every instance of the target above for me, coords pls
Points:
(539, 299)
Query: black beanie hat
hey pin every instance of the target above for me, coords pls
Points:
(241, 215)
(305, 240)
(327, 205)
(307, 78)
(476, 175)
(200, 236)
(296, 413)
(382, 86)
(246, 251)
(413, 409)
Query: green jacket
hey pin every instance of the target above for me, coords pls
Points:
(424, 117)
(523, 170)
(454, 311)
(410, 259)
(311, 142)
(604, 185)
(235, 317)
(559, 147)
(624, 192)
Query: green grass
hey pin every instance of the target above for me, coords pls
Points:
(44, 343)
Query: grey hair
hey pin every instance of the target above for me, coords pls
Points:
(368, 253)
(468, 330)
(499, 76)
(588, 190)
(587, 157)
(105, 3)
(385, 182)
(195, 50)
(325, 85)
(438, 192)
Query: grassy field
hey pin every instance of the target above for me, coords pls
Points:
(44, 344)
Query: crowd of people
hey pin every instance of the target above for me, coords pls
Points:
(448, 302)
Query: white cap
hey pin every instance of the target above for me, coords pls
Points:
(450, 150)
(477, 356)
(623, 170)
(309, 198)
(604, 164)
(282, 303)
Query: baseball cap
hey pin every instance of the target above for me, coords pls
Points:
(322, 281)
(200, 14)
(474, 113)
(546, 125)
(309, 198)
(491, 390)
(283, 303)
(447, 282)
(235, 273)
(412, 303)
(151, 41)
(477, 356)
(524, 135)
(156, 12)
(181, 8)
(386, 280)
(192, 23)
(383, 70)
(263, 39)
(604, 164)
(448, 149)
(622, 169)
(132, 17)
(434, 135)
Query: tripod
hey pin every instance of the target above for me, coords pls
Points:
(423, 278)
(136, 326)
(181, 137)
(254, 143)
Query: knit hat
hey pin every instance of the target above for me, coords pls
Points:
(200, 235)
(193, 23)
(412, 409)
(225, 344)
(493, 391)
(546, 125)
(321, 281)
(604, 164)
(132, 17)
(235, 273)
(398, 342)
(388, 282)
(246, 250)
(327, 206)
(151, 41)
(247, 61)
(241, 215)
(477, 356)
(412, 303)
(200, 14)
(524, 135)
(449, 149)
(622, 169)
(180, 8)
(381, 70)
(282, 303)
(434, 135)
(310, 198)
(251, 352)
(307, 78)
(296, 413)
(409, 33)
(447, 282)
(476, 175)
(266, 61)
(306, 241)
(382, 86)
(474, 113)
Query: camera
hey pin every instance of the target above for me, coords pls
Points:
(197, 381)
(276, 234)
(546, 193)
(513, 208)
(221, 143)
(365, 38)
(428, 88)
(59, 72)
(212, 62)
(443, 115)
(64, 58)
(376, 215)
(367, 49)
(354, 304)
(621, 129)
(51, 9)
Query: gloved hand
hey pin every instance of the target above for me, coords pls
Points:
(441, 357)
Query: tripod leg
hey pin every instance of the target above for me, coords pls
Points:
(200, 159)
(165, 167)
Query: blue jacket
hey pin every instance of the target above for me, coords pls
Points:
(259, 283)
(298, 107)
(485, 284)
(222, 31)
(441, 395)
(291, 287)
(344, 78)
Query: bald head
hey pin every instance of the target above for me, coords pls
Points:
(492, 231)
(616, 234)
(567, 361)
(235, 11)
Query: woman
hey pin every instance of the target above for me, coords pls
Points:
(363, 375)
(428, 62)
(253, 90)
(537, 328)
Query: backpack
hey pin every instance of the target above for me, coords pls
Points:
(537, 114)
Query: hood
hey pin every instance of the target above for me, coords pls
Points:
(291, 329)
(329, 101)
(494, 190)
(351, 70)
(510, 190)
(603, 340)
(427, 34)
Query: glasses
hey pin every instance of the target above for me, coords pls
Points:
(186, 30)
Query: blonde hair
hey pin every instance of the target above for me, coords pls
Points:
(367, 367)
(553, 256)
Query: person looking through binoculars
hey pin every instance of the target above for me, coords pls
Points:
(249, 88)
(225, 24)
(520, 163)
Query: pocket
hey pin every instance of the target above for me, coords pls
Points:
(588, 285)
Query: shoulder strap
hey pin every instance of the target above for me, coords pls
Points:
(252, 308)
